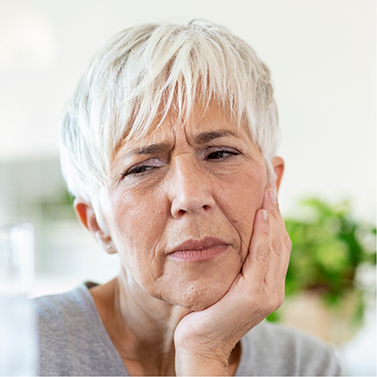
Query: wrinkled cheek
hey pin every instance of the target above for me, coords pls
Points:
(137, 230)
(245, 202)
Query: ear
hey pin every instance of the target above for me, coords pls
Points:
(278, 165)
(87, 217)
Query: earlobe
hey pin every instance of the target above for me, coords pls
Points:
(105, 242)
(278, 165)
(87, 217)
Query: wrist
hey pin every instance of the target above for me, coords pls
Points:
(190, 364)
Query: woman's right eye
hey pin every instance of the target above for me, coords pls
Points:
(138, 169)
(142, 168)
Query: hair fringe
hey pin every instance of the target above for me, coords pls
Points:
(147, 71)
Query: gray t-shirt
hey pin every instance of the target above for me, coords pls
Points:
(74, 341)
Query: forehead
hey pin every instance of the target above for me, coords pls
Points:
(202, 120)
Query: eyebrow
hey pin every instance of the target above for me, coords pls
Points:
(202, 138)
(205, 137)
(149, 149)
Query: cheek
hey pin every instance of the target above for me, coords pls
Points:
(137, 223)
(242, 196)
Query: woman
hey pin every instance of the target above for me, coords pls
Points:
(168, 146)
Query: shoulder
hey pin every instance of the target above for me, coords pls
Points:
(60, 318)
(56, 310)
(71, 337)
(279, 350)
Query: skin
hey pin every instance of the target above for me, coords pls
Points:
(205, 178)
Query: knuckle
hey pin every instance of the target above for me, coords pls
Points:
(262, 253)
(280, 301)
(276, 246)
(274, 213)
(264, 231)
(288, 241)
(273, 303)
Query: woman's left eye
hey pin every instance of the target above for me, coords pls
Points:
(221, 154)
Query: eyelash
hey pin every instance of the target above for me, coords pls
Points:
(141, 168)
(144, 168)
(138, 170)
(229, 151)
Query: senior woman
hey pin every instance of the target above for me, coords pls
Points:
(168, 146)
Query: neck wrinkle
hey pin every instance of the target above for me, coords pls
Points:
(149, 325)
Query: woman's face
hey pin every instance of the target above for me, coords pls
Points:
(181, 207)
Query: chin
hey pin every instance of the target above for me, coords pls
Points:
(199, 295)
(196, 286)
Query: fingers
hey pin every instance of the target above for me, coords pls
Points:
(265, 268)
(279, 246)
(255, 265)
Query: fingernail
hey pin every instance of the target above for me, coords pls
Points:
(264, 214)
(272, 192)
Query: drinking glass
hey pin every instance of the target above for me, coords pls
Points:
(18, 346)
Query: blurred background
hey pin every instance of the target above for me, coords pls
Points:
(322, 57)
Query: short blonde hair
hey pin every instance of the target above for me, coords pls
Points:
(149, 65)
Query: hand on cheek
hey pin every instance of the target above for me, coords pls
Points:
(205, 339)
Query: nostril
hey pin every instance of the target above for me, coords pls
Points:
(181, 212)
(189, 198)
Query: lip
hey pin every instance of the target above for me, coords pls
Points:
(198, 251)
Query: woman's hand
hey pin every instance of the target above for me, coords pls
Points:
(205, 339)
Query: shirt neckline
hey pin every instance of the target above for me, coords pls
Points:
(105, 339)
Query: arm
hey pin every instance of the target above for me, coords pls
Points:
(205, 339)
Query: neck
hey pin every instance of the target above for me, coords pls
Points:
(141, 327)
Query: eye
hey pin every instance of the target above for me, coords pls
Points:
(143, 167)
(221, 154)
(138, 169)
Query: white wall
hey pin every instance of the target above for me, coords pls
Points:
(322, 57)
(321, 54)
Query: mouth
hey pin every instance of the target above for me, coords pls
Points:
(198, 251)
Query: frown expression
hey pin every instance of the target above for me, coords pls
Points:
(181, 206)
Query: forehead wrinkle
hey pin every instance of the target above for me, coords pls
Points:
(153, 147)
(175, 124)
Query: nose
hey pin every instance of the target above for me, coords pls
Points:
(190, 190)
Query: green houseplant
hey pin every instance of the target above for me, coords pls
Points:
(329, 246)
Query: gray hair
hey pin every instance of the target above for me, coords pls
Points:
(142, 73)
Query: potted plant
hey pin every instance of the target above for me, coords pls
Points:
(323, 292)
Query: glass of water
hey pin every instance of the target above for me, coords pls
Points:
(18, 345)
